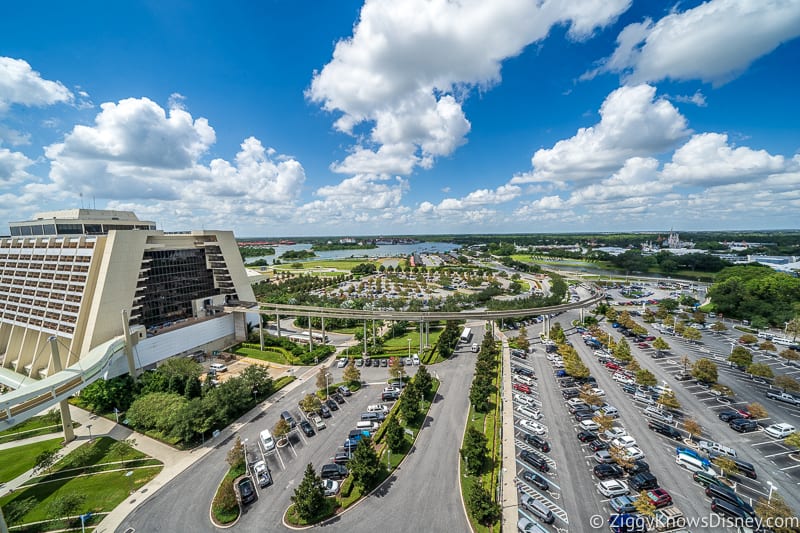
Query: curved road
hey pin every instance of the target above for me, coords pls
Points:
(422, 495)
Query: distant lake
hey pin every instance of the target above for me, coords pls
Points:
(383, 250)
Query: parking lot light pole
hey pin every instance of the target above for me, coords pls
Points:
(244, 447)
(328, 375)
(771, 488)
(409, 347)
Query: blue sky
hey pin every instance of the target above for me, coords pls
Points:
(301, 117)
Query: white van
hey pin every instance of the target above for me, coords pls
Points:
(377, 408)
(367, 424)
(475, 347)
(609, 410)
(693, 464)
(266, 440)
(415, 359)
(658, 414)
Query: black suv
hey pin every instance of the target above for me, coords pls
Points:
(727, 416)
(534, 460)
(570, 393)
(608, 471)
(537, 442)
(643, 481)
(665, 429)
(536, 480)
(637, 467)
(587, 436)
(743, 425)
(333, 471)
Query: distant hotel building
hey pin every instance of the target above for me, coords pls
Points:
(71, 274)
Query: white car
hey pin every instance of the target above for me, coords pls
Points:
(615, 433)
(709, 446)
(622, 378)
(217, 367)
(342, 363)
(779, 431)
(534, 427)
(522, 399)
(317, 421)
(612, 488)
(588, 425)
(634, 452)
(330, 486)
(624, 441)
(597, 392)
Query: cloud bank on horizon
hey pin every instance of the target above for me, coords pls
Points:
(403, 92)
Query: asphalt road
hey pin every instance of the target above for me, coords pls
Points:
(430, 473)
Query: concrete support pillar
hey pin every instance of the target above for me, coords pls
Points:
(278, 323)
(66, 419)
(420, 338)
(3, 525)
(310, 335)
(373, 332)
(365, 336)
(129, 342)
(261, 330)
(322, 319)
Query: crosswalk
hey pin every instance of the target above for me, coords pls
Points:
(560, 513)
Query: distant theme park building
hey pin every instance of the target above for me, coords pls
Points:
(71, 274)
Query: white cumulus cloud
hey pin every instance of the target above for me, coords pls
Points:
(20, 84)
(633, 123)
(713, 42)
(407, 62)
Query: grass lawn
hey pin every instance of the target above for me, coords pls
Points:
(20, 459)
(330, 507)
(33, 427)
(103, 492)
(341, 264)
(270, 354)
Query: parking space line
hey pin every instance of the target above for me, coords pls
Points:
(779, 453)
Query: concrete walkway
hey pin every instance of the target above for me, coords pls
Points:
(509, 498)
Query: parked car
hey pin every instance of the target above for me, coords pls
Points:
(664, 429)
(597, 445)
(709, 446)
(659, 497)
(331, 404)
(537, 442)
(623, 504)
(261, 473)
(217, 367)
(246, 490)
(330, 487)
(728, 415)
(587, 436)
(324, 411)
(615, 433)
(333, 471)
(534, 460)
(608, 471)
(588, 425)
(611, 488)
(305, 426)
(344, 390)
(636, 467)
(534, 427)
(536, 480)
(341, 458)
(603, 457)
(779, 431)
(317, 421)
(742, 425)
(643, 481)
(338, 398)
(521, 387)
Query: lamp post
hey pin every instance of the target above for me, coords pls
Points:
(244, 447)
(255, 395)
(409, 347)
(129, 475)
(771, 488)
(327, 386)
(89, 427)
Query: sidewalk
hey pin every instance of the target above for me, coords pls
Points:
(509, 500)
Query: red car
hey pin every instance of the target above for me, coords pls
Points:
(649, 338)
(745, 413)
(612, 366)
(521, 387)
(659, 497)
(643, 345)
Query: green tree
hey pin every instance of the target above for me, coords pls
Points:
(705, 370)
(793, 440)
(757, 411)
(482, 506)
(789, 355)
(670, 305)
(281, 429)
(410, 403)
(351, 373)
(310, 403)
(604, 421)
(726, 465)
(660, 345)
(121, 448)
(645, 377)
(423, 380)
(365, 465)
(669, 400)
(103, 395)
(692, 334)
(395, 369)
(65, 505)
(155, 410)
(718, 327)
(309, 496)
(692, 427)
(776, 513)
(644, 505)
(747, 338)
(787, 383)
(623, 351)
(479, 393)
(761, 370)
(235, 457)
(322, 379)
(522, 339)
(474, 451)
(767, 346)
(45, 460)
(395, 435)
(590, 397)
(257, 378)
(741, 356)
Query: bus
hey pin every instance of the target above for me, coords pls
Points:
(466, 335)
(302, 338)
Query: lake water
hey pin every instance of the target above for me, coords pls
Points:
(383, 250)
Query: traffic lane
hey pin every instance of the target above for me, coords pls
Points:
(423, 494)
(659, 452)
(581, 500)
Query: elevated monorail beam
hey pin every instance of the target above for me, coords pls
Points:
(414, 316)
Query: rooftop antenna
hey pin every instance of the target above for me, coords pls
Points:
(81, 200)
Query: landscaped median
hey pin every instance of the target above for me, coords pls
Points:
(33, 427)
(373, 460)
(481, 448)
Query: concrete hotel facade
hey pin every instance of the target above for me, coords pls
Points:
(71, 274)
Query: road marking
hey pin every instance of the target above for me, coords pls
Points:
(789, 467)
(779, 453)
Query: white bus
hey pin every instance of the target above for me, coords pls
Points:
(302, 338)
(466, 335)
